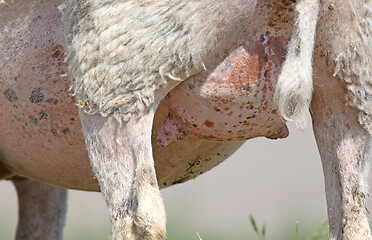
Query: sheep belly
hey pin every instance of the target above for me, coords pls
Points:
(40, 134)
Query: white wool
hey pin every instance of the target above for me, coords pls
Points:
(294, 88)
(345, 38)
(121, 52)
(354, 63)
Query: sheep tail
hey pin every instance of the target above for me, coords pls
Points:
(295, 85)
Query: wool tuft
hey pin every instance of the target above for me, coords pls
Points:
(121, 52)
(345, 29)
(294, 88)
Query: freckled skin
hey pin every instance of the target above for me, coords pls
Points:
(37, 107)
(41, 136)
(233, 99)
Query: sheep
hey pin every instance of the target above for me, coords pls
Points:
(157, 84)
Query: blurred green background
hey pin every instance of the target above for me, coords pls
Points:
(278, 182)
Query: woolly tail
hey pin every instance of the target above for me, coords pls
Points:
(295, 85)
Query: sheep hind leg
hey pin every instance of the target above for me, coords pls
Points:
(344, 147)
(121, 158)
(42, 210)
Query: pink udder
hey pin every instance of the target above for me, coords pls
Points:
(233, 100)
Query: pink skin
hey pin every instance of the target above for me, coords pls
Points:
(233, 100)
(41, 137)
(41, 134)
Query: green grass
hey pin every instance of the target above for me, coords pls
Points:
(260, 232)
(321, 233)
(180, 231)
(255, 231)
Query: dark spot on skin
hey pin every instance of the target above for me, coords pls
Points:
(208, 123)
(43, 115)
(191, 86)
(181, 133)
(36, 95)
(53, 131)
(10, 95)
(65, 131)
(180, 180)
(247, 88)
(266, 73)
(15, 78)
(33, 120)
(265, 58)
(262, 38)
(194, 125)
(53, 101)
(56, 54)
(41, 68)
(228, 63)
(72, 119)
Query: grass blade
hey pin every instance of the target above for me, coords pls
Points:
(254, 225)
(296, 233)
(321, 232)
(328, 233)
(199, 236)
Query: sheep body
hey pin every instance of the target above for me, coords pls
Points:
(121, 52)
(125, 56)
(41, 127)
